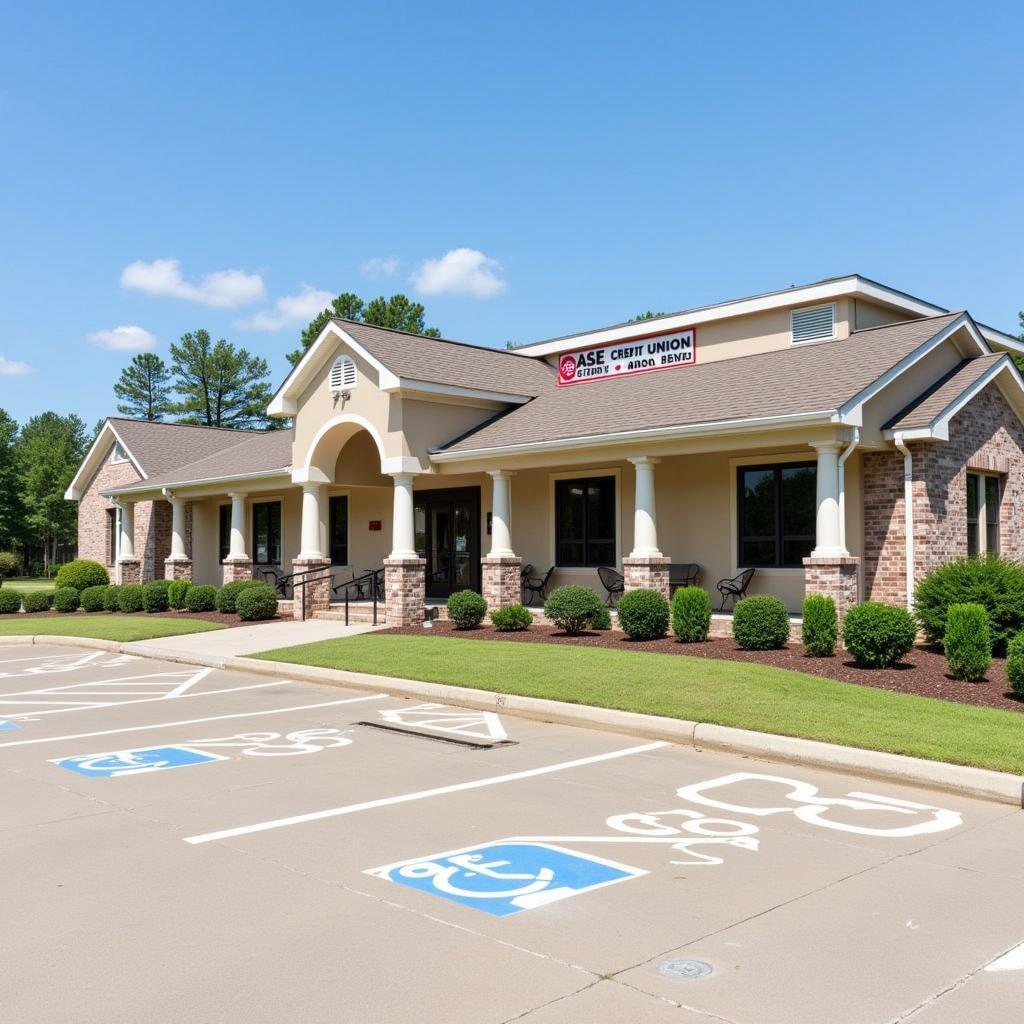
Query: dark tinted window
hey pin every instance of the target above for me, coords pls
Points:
(266, 533)
(585, 521)
(224, 531)
(776, 515)
(338, 529)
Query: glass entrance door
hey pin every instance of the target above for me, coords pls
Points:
(450, 539)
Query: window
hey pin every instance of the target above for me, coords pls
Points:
(111, 536)
(118, 454)
(224, 530)
(776, 514)
(585, 522)
(343, 374)
(337, 529)
(266, 533)
(815, 323)
(982, 514)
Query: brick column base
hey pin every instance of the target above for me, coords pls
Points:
(177, 568)
(502, 580)
(838, 578)
(648, 572)
(405, 590)
(128, 570)
(236, 569)
(315, 596)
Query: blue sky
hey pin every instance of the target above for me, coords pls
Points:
(524, 170)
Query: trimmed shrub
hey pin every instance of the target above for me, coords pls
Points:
(643, 614)
(201, 599)
(691, 615)
(255, 601)
(821, 626)
(81, 573)
(573, 609)
(1015, 663)
(92, 598)
(9, 564)
(968, 642)
(154, 596)
(112, 598)
(466, 609)
(228, 594)
(131, 597)
(760, 623)
(995, 583)
(878, 635)
(513, 619)
(38, 600)
(10, 602)
(66, 599)
(177, 591)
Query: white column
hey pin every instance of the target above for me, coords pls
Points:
(829, 542)
(178, 529)
(403, 527)
(237, 527)
(311, 522)
(126, 547)
(645, 518)
(501, 514)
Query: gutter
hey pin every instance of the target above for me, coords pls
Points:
(139, 489)
(847, 452)
(908, 512)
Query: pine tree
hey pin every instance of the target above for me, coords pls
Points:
(144, 388)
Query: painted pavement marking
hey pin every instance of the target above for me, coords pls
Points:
(423, 794)
(437, 718)
(195, 721)
(1013, 960)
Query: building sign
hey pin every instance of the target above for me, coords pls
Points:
(626, 358)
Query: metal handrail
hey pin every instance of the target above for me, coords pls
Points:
(368, 578)
(303, 583)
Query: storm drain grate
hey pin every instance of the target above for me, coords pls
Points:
(685, 968)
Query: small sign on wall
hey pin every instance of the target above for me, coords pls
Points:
(627, 358)
(375, 526)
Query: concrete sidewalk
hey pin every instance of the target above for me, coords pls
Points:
(215, 646)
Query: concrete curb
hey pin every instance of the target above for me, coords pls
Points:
(1000, 787)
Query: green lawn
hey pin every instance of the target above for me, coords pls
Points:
(748, 696)
(122, 628)
(26, 586)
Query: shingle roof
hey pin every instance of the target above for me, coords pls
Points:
(927, 408)
(439, 361)
(820, 376)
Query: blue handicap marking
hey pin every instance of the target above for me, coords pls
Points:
(134, 762)
(5, 726)
(504, 877)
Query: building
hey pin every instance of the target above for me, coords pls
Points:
(841, 437)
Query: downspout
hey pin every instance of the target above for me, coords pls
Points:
(908, 512)
(847, 452)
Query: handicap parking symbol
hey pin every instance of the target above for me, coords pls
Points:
(134, 762)
(5, 726)
(505, 877)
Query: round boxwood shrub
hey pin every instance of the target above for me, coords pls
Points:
(10, 602)
(512, 619)
(154, 596)
(131, 597)
(1015, 663)
(81, 573)
(821, 626)
(760, 623)
(228, 594)
(573, 609)
(995, 583)
(177, 591)
(201, 599)
(255, 601)
(38, 600)
(92, 598)
(878, 635)
(643, 614)
(112, 598)
(968, 641)
(466, 609)
(9, 564)
(66, 599)
(691, 615)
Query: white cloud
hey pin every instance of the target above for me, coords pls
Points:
(289, 310)
(380, 266)
(223, 288)
(12, 368)
(126, 338)
(460, 272)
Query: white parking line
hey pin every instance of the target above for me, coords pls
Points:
(195, 721)
(423, 794)
(1013, 960)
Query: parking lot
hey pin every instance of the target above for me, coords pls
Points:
(206, 846)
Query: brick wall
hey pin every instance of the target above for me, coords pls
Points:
(985, 435)
(93, 525)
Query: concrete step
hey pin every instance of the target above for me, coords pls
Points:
(360, 615)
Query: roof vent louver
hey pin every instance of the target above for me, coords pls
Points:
(814, 323)
(343, 374)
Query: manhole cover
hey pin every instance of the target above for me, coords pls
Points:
(685, 968)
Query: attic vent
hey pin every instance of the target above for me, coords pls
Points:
(343, 374)
(813, 323)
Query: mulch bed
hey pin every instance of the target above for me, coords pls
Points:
(923, 672)
(221, 617)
